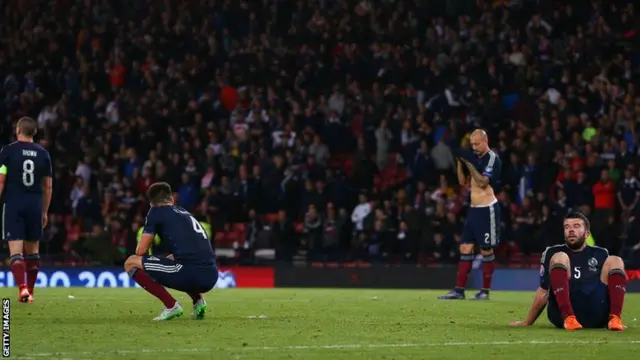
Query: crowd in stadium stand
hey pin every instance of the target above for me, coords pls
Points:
(324, 130)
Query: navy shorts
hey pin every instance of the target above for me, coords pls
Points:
(182, 277)
(22, 219)
(482, 226)
(591, 308)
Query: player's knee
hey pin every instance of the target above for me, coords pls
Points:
(560, 258)
(31, 247)
(486, 252)
(614, 263)
(133, 262)
(466, 249)
(16, 247)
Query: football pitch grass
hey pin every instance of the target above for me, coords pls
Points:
(97, 324)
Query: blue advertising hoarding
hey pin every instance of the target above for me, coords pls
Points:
(92, 277)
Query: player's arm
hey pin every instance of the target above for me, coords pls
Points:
(3, 169)
(542, 294)
(480, 179)
(462, 180)
(144, 244)
(47, 189)
(47, 185)
(148, 233)
(3, 177)
(537, 307)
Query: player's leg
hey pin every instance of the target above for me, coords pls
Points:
(490, 240)
(465, 264)
(33, 235)
(199, 305)
(13, 232)
(150, 278)
(196, 280)
(32, 261)
(206, 280)
(559, 275)
(18, 269)
(613, 275)
(554, 315)
(32, 238)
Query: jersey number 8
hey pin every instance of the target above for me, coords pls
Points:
(197, 227)
(27, 172)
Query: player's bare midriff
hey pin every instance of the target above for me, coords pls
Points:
(481, 197)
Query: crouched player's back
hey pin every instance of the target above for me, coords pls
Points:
(190, 248)
(184, 236)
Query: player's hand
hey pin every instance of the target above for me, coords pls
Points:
(467, 162)
(518, 324)
(170, 256)
(45, 220)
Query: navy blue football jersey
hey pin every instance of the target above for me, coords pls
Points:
(182, 233)
(490, 166)
(25, 165)
(586, 266)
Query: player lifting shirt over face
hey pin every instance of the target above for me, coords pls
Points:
(191, 266)
(482, 226)
(581, 286)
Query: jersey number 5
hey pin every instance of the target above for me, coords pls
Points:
(27, 172)
(576, 272)
(197, 227)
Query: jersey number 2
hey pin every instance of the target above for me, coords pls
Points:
(27, 172)
(197, 227)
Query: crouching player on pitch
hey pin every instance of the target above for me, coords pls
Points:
(191, 266)
(582, 285)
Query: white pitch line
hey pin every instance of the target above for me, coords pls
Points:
(333, 347)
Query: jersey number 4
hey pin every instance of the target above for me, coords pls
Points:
(27, 172)
(198, 228)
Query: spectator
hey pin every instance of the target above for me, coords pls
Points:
(604, 202)
(241, 117)
(628, 192)
(360, 212)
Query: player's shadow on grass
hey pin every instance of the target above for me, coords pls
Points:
(498, 327)
(99, 319)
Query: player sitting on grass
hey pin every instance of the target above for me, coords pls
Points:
(587, 285)
(191, 266)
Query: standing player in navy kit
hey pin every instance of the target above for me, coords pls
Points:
(191, 266)
(587, 285)
(482, 226)
(25, 178)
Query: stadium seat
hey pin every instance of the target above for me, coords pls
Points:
(239, 227)
(220, 237)
(271, 218)
(269, 254)
(225, 253)
(232, 237)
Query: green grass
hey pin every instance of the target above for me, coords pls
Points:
(99, 324)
